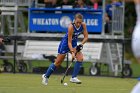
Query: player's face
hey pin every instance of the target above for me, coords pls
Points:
(78, 22)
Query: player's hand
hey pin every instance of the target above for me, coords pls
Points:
(79, 48)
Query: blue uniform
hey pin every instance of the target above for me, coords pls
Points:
(63, 46)
(109, 8)
(63, 49)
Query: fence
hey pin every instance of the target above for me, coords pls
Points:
(118, 19)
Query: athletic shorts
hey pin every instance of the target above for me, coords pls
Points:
(136, 41)
(63, 46)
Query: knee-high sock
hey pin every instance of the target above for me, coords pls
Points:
(50, 70)
(77, 67)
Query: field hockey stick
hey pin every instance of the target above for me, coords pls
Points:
(62, 80)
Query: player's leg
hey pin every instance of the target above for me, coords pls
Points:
(136, 51)
(77, 67)
(52, 67)
(57, 63)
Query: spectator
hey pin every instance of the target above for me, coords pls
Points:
(54, 3)
(65, 4)
(95, 4)
(100, 3)
(80, 4)
(109, 7)
(48, 3)
(33, 3)
(108, 15)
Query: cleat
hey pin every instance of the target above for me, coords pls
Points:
(75, 80)
(44, 80)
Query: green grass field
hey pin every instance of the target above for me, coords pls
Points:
(31, 83)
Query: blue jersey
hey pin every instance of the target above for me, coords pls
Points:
(109, 8)
(63, 46)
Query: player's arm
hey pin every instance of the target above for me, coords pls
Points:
(85, 33)
(70, 33)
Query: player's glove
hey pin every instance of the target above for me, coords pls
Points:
(79, 47)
